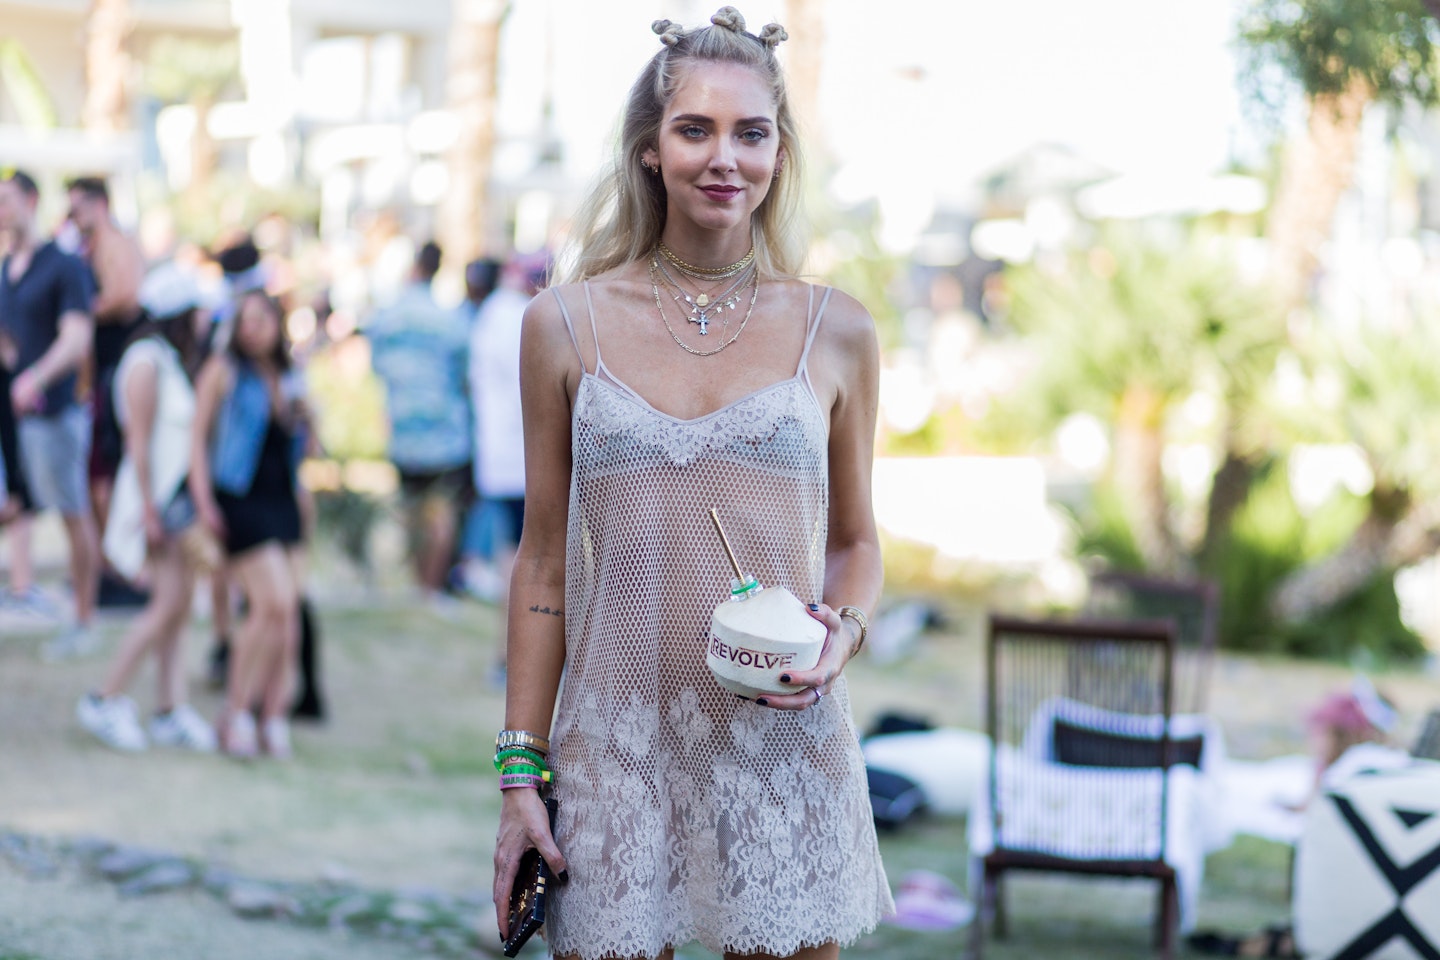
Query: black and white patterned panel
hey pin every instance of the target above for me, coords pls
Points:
(1367, 871)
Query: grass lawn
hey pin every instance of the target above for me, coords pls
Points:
(396, 790)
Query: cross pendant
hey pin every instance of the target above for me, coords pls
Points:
(704, 322)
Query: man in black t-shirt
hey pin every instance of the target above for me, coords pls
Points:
(45, 298)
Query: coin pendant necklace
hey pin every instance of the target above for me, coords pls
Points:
(703, 307)
(655, 276)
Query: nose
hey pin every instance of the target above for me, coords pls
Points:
(723, 156)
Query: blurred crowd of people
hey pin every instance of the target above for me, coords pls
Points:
(165, 416)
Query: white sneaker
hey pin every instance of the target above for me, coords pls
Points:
(73, 642)
(276, 734)
(239, 738)
(184, 728)
(30, 605)
(112, 720)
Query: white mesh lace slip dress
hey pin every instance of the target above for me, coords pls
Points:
(687, 813)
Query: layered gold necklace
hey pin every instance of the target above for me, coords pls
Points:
(703, 305)
(698, 313)
(706, 273)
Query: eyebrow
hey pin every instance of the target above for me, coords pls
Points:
(701, 118)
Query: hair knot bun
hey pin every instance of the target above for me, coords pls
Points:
(729, 18)
(668, 30)
(773, 35)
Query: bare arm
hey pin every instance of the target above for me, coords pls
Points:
(71, 347)
(211, 385)
(853, 571)
(536, 635)
(119, 266)
(140, 388)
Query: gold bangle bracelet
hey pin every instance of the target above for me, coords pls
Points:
(521, 738)
(861, 621)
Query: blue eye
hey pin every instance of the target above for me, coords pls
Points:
(692, 131)
(755, 135)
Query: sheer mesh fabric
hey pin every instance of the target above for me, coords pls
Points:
(687, 813)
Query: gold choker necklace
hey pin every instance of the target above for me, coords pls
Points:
(706, 273)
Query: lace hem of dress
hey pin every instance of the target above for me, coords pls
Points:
(627, 949)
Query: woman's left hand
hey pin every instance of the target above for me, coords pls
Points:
(820, 679)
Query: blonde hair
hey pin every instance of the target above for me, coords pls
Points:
(622, 218)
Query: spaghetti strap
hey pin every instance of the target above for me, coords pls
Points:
(594, 333)
(569, 326)
(800, 370)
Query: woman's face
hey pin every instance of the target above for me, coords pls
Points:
(257, 329)
(718, 146)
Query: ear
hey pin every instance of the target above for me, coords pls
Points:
(651, 157)
(779, 160)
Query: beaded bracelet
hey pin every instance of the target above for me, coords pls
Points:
(506, 739)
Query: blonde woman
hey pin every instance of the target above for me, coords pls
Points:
(686, 366)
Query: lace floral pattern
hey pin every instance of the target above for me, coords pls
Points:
(687, 813)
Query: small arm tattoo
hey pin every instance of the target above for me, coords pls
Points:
(537, 608)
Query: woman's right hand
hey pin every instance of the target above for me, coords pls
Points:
(524, 823)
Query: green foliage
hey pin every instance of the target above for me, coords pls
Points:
(1368, 619)
(851, 259)
(28, 95)
(1384, 387)
(1325, 45)
(349, 516)
(1105, 531)
(1271, 539)
(1130, 315)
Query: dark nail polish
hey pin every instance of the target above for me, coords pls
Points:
(814, 606)
(564, 877)
(746, 699)
(502, 938)
(784, 678)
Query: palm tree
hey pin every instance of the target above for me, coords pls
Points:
(21, 82)
(1126, 332)
(107, 66)
(195, 72)
(472, 63)
(1384, 387)
(1345, 55)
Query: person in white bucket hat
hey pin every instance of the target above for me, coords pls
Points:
(150, 513)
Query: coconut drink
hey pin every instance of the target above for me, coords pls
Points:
(759, 633)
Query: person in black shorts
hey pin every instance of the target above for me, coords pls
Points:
(243, 476)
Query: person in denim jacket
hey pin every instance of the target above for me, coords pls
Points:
(243, 476)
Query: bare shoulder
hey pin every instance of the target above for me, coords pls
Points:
(848, 329)
(545, 341)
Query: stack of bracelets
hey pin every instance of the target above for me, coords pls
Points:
(520, 759)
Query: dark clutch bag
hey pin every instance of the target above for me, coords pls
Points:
(528, 895)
